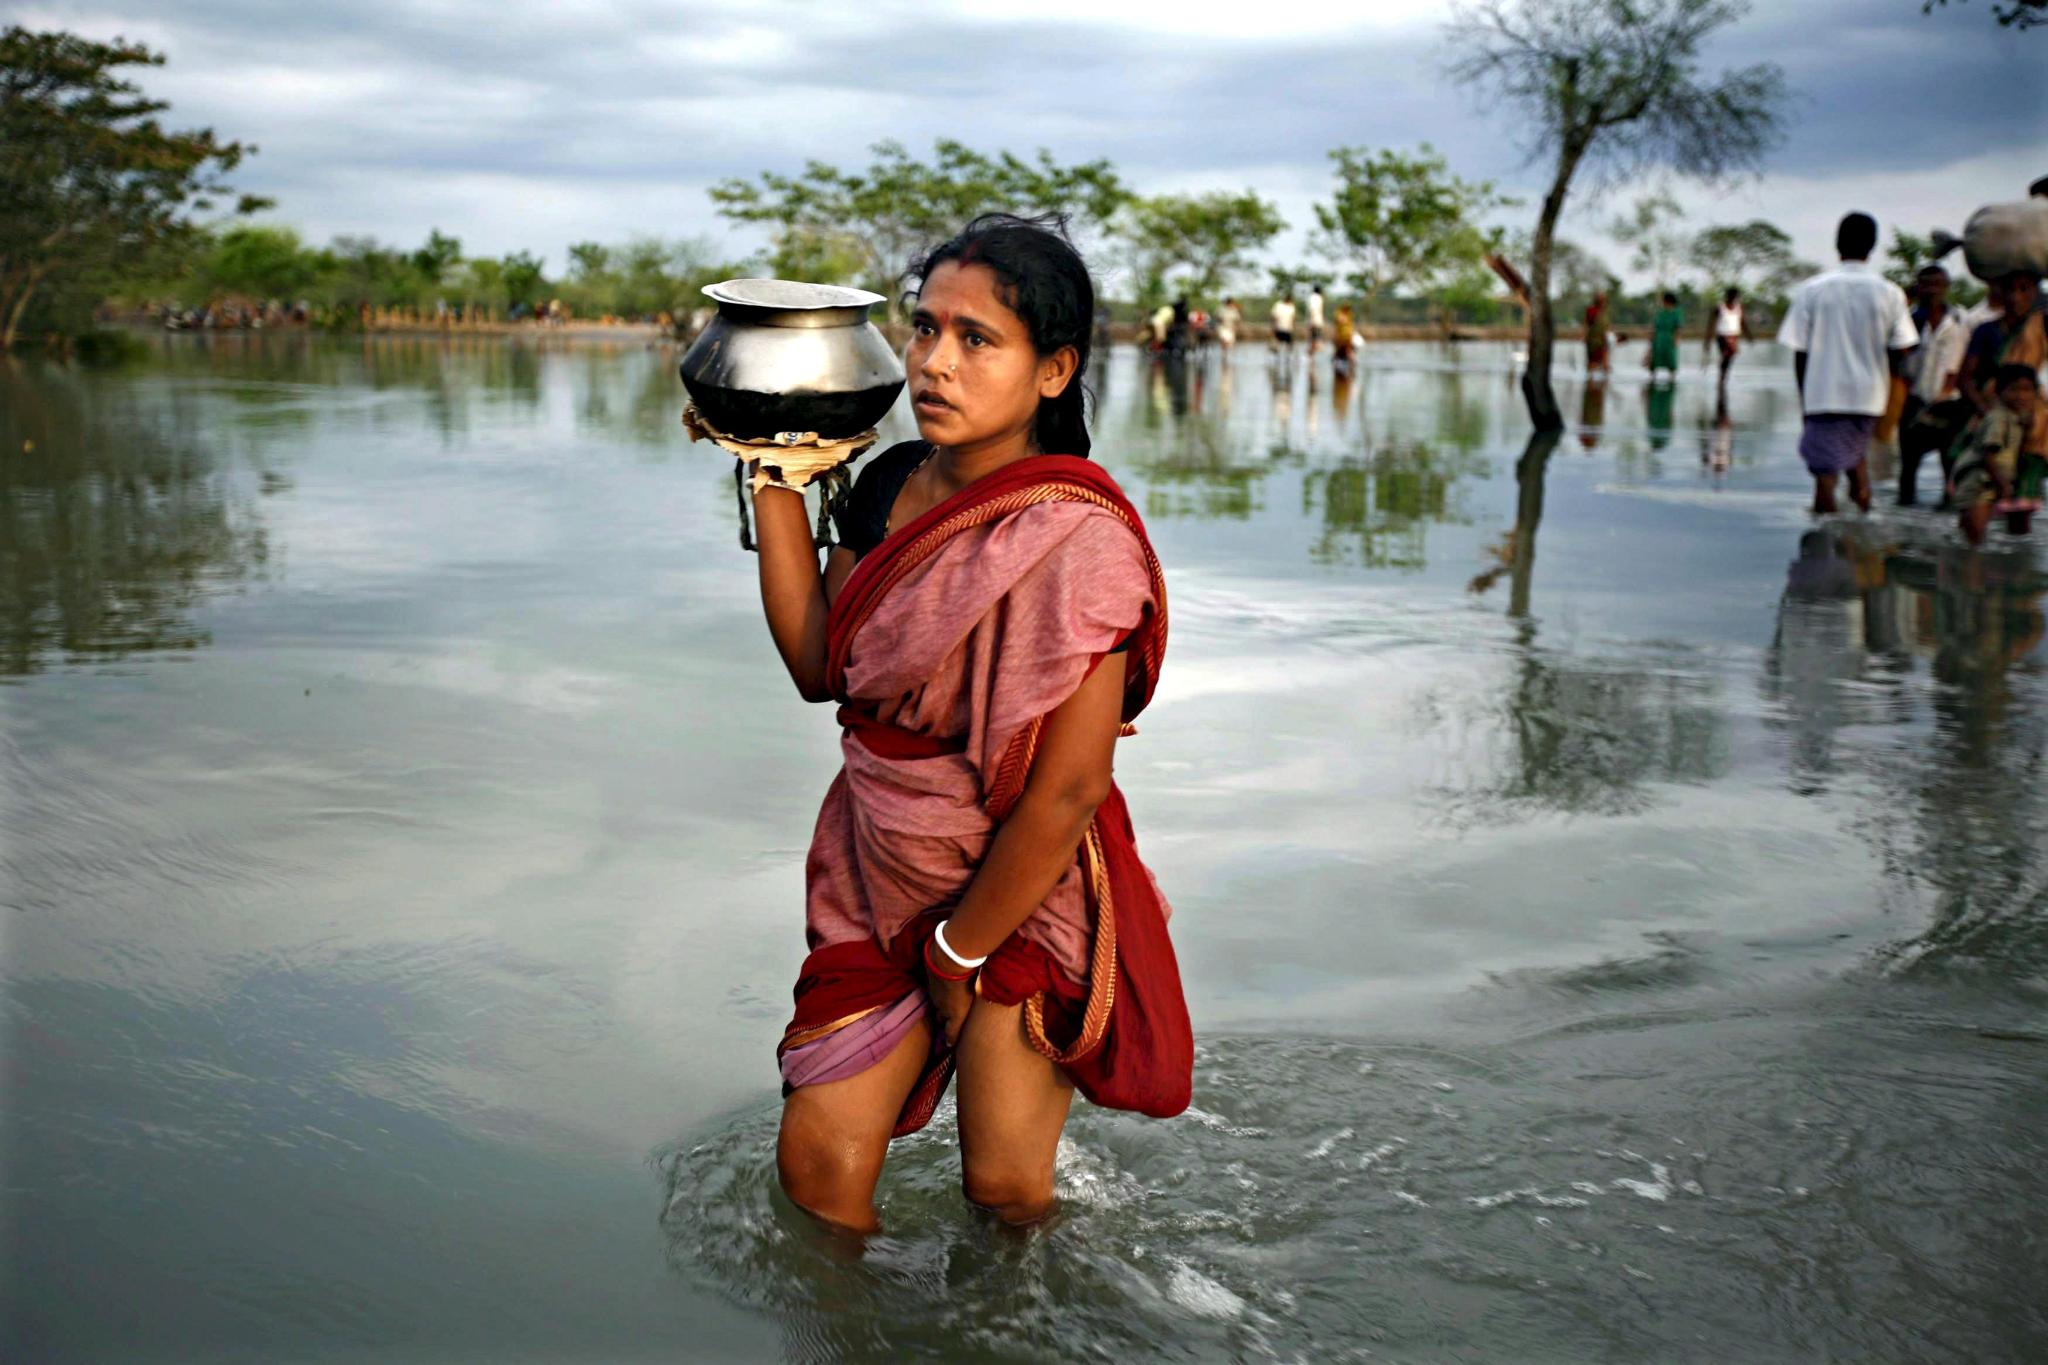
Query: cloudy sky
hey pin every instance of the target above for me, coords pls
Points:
(523, 123)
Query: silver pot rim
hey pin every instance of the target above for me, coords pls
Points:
(792, 303)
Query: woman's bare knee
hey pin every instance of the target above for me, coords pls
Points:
(1014, 1196)
(829, 1179)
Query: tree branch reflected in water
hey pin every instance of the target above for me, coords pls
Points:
(1577, 735)
(116, 522)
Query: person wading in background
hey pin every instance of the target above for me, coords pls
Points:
(1849, 331)
(1597, 320)
(1283, 322)
(1935, 411)
(1229, 318)
(1664, 329)
(1728, 331)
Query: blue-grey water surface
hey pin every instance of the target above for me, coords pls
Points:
(1613, 906)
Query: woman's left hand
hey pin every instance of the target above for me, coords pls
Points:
(954, 1000)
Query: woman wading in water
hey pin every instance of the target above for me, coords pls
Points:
(992, 619)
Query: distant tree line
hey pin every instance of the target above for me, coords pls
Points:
(639, 278)
(98, 200)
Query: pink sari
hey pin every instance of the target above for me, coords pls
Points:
(950, 644)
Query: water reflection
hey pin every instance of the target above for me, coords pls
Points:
(1588, 1042)
(117, 520)
(1376, 512)
(1592, 736)
(1191, 466)
(1717, 441)
(1583, 735)
(1659, 403)
(1592, 413)
(1957, 794)
(1515, 552)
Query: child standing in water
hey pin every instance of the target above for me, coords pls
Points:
(992, 619)
(2008, 453)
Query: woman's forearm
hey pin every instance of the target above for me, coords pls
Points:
(1031, 852)
(792, 589)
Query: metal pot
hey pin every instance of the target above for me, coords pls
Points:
(785, 356)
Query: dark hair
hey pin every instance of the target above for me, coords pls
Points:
(2013, 374)
(2039, 189)
(1045, 283)
(1928, 272)
(1856, 237)
(1671, 298)
(1732, 294)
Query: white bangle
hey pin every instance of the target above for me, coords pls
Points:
(965, 964)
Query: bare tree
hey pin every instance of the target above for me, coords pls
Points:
(1612, 88)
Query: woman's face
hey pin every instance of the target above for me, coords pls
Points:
(975, 377)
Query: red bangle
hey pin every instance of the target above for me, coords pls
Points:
(940, 972)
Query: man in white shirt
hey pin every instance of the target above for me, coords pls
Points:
(1315, 317)
(1849, 331)
(1283, 322)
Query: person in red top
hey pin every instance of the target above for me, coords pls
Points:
(1596, 334)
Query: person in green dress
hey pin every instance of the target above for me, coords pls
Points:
(1664, 329)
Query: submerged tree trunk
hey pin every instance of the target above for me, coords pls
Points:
(1529, 476)
(1536, 390)
(14, 302)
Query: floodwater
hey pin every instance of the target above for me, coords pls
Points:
(1614, 909)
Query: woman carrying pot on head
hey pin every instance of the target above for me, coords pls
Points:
(990, 623)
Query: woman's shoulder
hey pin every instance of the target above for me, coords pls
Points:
(863, 519)
(891, 466)
(1085, 537)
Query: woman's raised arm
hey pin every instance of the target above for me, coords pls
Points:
(792, 589)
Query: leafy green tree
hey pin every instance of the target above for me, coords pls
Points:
(1615, 87)
(1741, 255)
(264, 261)
(642, 277)
(1652, 230)
(1296, 279)
(817, 254)
(482, 283)
(1777, 283)
(900, 204)
(1402, 220)
(1576, 274)
(90, 181)
(523, 278)
(365, 272)
(437, 258)
(1202, 238)
(657, 276)
(1907, 252)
